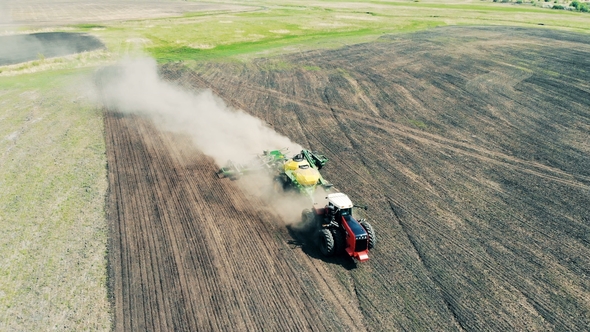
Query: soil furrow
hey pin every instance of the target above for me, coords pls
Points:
(483, 161)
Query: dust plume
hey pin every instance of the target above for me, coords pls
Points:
(216, 129)
(288, 204)
(223, 133)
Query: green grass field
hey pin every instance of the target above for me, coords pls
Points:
(52, 224)
(53, 232)
(308, 25)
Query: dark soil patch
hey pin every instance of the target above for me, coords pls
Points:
(23, 48)
(469, 145)
(192, 253)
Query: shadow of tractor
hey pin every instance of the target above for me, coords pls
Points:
(305, 236)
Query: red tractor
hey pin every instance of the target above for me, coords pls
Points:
(339, 230)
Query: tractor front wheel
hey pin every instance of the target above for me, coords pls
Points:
(326, 242)
(370, 232)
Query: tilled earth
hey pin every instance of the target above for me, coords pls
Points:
(470, 146)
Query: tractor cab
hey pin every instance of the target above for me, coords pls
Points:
(346, 212)
(338, 205)
(341, 203)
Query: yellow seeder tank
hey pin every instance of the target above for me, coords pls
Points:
(304, 174)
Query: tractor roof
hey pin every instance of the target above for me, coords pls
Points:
(340, 200)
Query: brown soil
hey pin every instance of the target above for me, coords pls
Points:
(191, 252)
(470, 146)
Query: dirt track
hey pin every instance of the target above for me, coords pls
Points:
(470, 146)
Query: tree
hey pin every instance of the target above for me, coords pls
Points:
(580, 6)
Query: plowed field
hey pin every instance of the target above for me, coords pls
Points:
(471, 147)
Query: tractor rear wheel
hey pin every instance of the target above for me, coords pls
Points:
(370, 232)
(307, 216)
(326, 242)
(278, 185)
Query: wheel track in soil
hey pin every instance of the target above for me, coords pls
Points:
(184, 260)
(541, 304)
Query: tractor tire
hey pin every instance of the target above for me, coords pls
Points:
(307, 216)
(326, 242)
(370, 232)
(279, 185)
(339, 240)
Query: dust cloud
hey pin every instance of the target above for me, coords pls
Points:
(223, 133)
(288, 204)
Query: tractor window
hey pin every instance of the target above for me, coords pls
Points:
(345, 212)
(304, 166)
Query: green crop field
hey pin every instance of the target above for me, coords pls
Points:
(300, 26)
(53, 231)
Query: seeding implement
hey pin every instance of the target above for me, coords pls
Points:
(300, 173)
